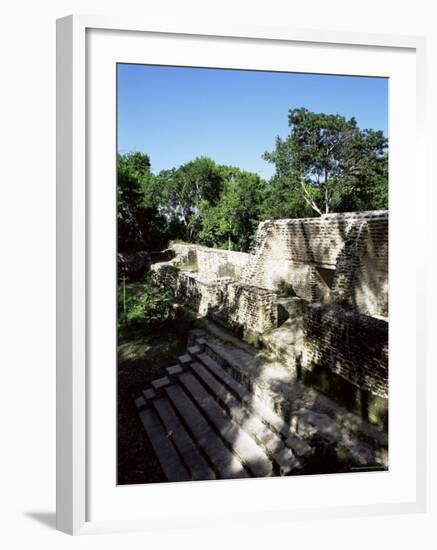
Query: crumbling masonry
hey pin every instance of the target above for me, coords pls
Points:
(313, 291)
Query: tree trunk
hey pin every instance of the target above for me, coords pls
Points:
(327, 201)
(308, 199)
(327, 194)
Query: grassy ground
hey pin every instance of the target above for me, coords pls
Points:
(143, 355)
(188, 267)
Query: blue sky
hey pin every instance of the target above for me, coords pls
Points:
(175, 114)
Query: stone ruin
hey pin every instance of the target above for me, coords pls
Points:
(298, 325)
(326, 277)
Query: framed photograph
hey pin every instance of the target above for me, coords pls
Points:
(240, 278)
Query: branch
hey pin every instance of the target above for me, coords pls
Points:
(308, 199)
(327, 200)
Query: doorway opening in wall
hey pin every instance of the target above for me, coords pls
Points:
(240, 353)
(326, 275)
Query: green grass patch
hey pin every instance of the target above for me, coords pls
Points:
(144, 304)
(189, 267)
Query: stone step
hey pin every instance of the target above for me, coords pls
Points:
(324, 425)
(173, 371)
(160, 383)
(230, 358)
(184, 359)
(241, 443)
(149, 393)
(192, 457)
(194, 350)
(140, 402)
(272, 420)
(224, 462)
(241, 391)
(283, 457)
(194, 335)
(165, 451)
(276, 388)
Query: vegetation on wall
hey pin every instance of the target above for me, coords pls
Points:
(325, 164)
(143, 305)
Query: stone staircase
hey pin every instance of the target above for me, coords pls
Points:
(207, 421)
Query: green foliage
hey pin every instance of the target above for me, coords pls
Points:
(182, 190)
(144, 304)
(232, 222)
(284, 199)
(140, 224)
(212, 204)
(326, 163)
(330, 162)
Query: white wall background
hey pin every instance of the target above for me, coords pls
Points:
(27, 303)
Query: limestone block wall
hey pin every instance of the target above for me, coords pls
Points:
(349, 344)
(184, 253)
(201, 295)
(235, 304)
(165, 275)
(361, 279)
(333, 258)
(222, 263)
(337, 264)
(249, 308)
(211, 262)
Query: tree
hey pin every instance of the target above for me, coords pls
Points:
(182, 190)
(140, 224)
(330, 161)
(284, 199)
(233, 221)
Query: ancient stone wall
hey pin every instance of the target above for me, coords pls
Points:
(240, 306)
(361, 277)
(202, 295)
(249, 308)
(349, 344)
(337, 265)
(211, 262)
(214, 288)
(333, 258)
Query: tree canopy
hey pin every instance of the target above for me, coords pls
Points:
(233, 220)
(141, 224)
(326, 163)
(181, 191)
(332, 162)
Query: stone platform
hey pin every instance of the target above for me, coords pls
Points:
(225, 410)
(314, 291)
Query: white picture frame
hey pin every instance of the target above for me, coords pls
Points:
(74, 341)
